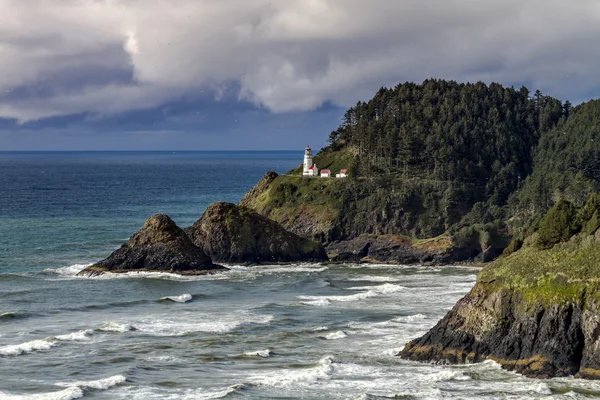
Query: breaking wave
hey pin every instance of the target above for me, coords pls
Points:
(184, 298)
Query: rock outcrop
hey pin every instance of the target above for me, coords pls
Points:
(534, 312)
(160, 246)
(383, 249)
(235, 234)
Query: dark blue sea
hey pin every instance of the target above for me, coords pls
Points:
(287, 332)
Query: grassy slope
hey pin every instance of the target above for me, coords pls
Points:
(559, 275)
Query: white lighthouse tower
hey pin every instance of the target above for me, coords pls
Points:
(308, 162)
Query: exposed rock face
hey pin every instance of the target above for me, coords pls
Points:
(236, 234)
(160, 246)
(378, 249)
(525, 335)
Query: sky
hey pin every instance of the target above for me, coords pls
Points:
(263, 74)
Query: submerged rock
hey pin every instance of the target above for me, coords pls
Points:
(236, 234)
(160, 246)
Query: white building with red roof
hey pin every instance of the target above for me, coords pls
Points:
(310, 169)
(343, 173)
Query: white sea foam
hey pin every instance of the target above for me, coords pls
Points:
(146, 393)
(226, 323)
(179, 299)
(65, 394)
(291, 377)
(70, 270)
(410, 318)
(73, 390)
(374, 278)
(369, 291)
(115, 327)
(292, 268)
(335, 335)
(79, 336)
(100, 384)
(380, 289)
(45, 344)
(259, 353)
(28, 347)
(321, 328)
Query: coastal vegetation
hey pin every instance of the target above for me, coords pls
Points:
(480, 164)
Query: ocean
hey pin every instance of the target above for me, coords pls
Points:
(300, 331)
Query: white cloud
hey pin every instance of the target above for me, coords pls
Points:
(286, 55)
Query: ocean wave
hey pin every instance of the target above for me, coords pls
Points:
(27, 347)
(74, 390)
(381, 289)
(70, 270)
(115, 327)
(45, 344)
(335, 335)
(374, 278)
(369, 291)
(286, 378)
(291, 268)
(80, 336)
(184, 298)
(146, 393)
(100, 384)
(9, 315)
(65, 394)
(259, 353)
(228, 323)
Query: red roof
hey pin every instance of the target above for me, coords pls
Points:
(324, 171)
(343, 171)
(312, 167)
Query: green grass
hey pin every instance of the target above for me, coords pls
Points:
(558, 275)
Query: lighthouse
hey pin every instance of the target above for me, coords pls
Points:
(308, 162)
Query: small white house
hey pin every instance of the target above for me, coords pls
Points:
(313, 171)
(325, 173)
(343, 173)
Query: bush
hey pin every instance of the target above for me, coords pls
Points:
(591, 226)
(513, 246)
(558, 225)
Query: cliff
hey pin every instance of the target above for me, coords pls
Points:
(536, 312)
(390, 219)
(160, 246)
(236, 234)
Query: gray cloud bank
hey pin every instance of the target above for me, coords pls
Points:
(104, 57)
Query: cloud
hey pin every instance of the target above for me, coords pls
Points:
(105, 57)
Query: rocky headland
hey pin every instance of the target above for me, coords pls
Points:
(160, 246)
(235, 234)
(536, 312)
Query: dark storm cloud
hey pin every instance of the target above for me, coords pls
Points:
(102, 58)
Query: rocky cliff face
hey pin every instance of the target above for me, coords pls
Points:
(159, 246)
(535, 312)
(236, 234)
(359, 220)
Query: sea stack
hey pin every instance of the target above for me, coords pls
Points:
(160, 246)
(235, 234)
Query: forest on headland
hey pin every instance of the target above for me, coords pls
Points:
(473, 162)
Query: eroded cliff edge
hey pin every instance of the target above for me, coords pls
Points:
(536, 312)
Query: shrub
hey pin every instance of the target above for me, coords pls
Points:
(558, 225)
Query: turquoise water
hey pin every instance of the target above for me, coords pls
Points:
(298, 331)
